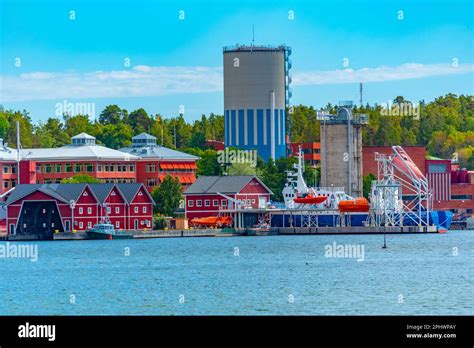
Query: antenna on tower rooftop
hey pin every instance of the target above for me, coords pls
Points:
(361, 92)
(253, 35)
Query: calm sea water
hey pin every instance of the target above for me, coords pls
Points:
(416, 274)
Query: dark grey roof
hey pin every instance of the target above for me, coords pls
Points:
(101, 191)
(21, 191)
(222, 184)
(130, 190)
(68, 192)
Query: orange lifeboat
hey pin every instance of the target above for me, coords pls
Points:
(309, 199)
(354, 205)
(212, 221)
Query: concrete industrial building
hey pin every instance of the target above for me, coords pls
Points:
(256, 95)
(341, 150)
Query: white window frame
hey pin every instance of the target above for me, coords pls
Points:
(190, 203)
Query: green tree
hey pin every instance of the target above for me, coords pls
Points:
(112, 114)
(80, 179)
(367, 184)
(168, 196)
(74, 125)
(140, 121)
(244, 168)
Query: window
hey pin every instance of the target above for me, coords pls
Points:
(199, 203)
(117, 224)
(151, 182)
(113, 193)
(135, 210)
(144, 210)
(112, 167)
(437, 168)
(81, 210)
(207, 203)
(190, 203)
(215, 203)
(89, 210)
(108, 210)
(68, 168)
(89, 167)
(78, 168)
(124, 168)
(89, 224)
(13, 183)
(99, 167)
(224, 202)
(5, 169)
(140, 193)
(461, 197)
(117, 210)
(38, 168)
(253, 200)
(148, 224)
(5, 184)
(151, 167)
(58, 168)
(47, 168)
(13, 169)
(107, 168)
(81, 224)
(132, 168)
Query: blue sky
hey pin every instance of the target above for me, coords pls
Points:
(177, 62)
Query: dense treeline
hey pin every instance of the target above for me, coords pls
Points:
(114, 128)
(445, 126)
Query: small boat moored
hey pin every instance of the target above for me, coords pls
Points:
(107, 231)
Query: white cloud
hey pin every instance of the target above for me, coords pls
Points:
(141, 81)
(401, 72)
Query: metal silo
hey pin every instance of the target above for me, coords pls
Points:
(256, 84)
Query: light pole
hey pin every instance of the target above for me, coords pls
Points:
(72, 205)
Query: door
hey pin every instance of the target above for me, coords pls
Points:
(68, 225)
(135, 224)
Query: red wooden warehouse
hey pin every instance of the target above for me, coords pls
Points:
(210, 195)
(43, 209)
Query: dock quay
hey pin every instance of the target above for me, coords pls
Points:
(236, 232)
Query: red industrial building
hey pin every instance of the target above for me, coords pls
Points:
(311, 152)
(42, 209)
(144, 162)
(211, 194)
(452, 188)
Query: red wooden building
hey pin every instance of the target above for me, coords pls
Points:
(211, 194)
(144, 162)
(42, 209)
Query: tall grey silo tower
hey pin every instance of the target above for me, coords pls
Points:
(256, 95)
